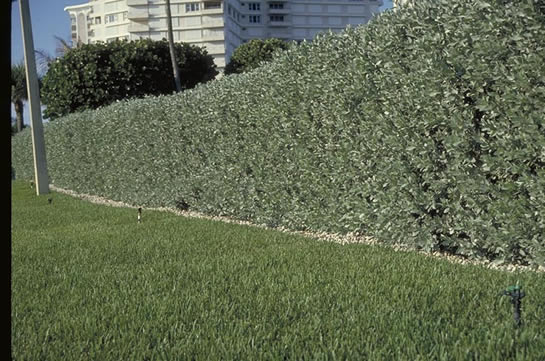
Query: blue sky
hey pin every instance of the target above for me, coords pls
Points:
(49, 20)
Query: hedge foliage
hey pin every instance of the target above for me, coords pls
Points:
(425, 127)
(95, 75)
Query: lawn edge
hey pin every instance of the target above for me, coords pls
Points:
(343, 239)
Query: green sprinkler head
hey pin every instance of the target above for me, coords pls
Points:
(516, 293)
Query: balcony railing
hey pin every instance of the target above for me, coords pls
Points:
(137, 13)
(137, 2)
(279, 32)
(274, 23)
(213, 37)
(137, 27)
(281, 11)
(216, 23)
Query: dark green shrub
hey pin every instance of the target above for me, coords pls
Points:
(250, 55)
(99, 74)
(424, 127)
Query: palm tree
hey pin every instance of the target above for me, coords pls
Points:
(18, 92)
(171, 46)
(43, 58)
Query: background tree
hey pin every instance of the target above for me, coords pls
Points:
(18, 93)
(43, 58)
(95, 75)
(249, 55)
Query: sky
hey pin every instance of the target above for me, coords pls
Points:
(49, 20)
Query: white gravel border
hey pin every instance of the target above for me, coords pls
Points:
(349, 238)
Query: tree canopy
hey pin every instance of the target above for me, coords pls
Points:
(95, 75)
(249, 55)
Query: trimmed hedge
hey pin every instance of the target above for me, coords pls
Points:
(425, 127)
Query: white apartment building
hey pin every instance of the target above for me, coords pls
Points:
(218, 25)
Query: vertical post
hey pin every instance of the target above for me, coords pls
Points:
(170, 35)
(38, 143)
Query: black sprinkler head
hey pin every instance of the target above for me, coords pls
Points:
(517, 294)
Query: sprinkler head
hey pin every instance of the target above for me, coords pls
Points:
(517, 294)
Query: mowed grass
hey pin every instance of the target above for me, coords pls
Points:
(89, 283)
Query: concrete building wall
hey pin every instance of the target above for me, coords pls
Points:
(218, 25)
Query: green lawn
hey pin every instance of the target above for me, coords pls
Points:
(89, 283)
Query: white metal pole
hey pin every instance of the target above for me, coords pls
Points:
(38, 143)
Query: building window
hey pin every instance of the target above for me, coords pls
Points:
(255, 19)
(254, 6)
(212, 5)
(278, 18)
(276, 5)
(98, 19)
(110, 18)
(191, 7)
(125, 15)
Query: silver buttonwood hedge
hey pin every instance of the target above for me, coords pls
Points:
(424, 127)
